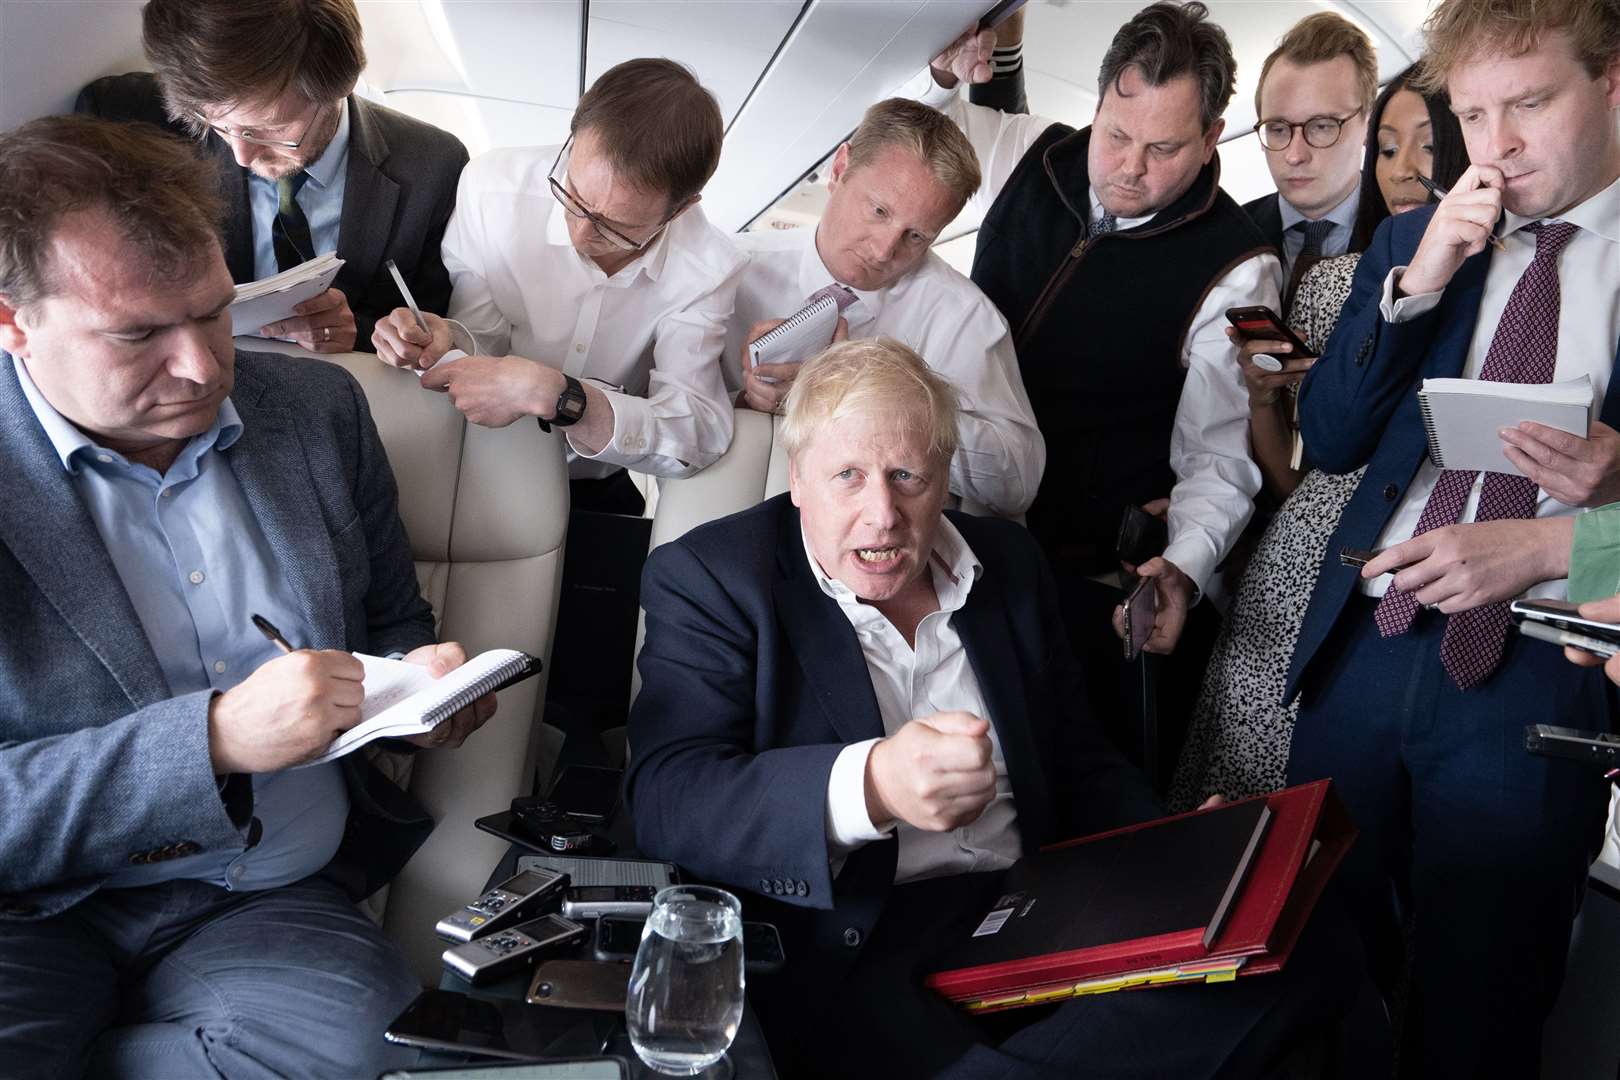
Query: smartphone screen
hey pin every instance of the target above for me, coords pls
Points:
(446, 1020)
(586, 792)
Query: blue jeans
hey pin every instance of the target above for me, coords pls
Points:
(186, 979)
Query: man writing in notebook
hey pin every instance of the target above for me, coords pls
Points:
(591, 289)
(307, 167)
(179, 892)
(1413, 691)
(899, 180)
(885, 689)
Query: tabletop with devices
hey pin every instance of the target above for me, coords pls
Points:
(538, 965)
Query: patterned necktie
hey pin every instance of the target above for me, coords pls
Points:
(1523, 350)
(1316, 234)
(1104, 225)
(290, 234)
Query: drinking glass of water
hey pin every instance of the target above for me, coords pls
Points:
(686, 988)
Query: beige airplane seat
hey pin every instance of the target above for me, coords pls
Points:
(486, 511)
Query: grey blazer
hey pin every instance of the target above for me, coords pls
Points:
(399, 190)
(100, 766)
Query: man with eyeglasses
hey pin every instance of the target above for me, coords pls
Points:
(590, 291)
(1315, 93)
(306, 167)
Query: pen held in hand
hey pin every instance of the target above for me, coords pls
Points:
(1439, 193)
(404, 291)
(268, 629)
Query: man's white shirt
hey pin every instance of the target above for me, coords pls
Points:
(1216, 479)
(651, 336)
(912, 683)
(1588, 330)
(949, 323)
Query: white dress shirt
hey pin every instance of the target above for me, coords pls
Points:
(320, 198)
(1216, 480)
(951, 324)
(1337, 243)
(911, 684)
(650, 336)
(1588, 329)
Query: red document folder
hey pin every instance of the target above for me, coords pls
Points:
(1307, 836)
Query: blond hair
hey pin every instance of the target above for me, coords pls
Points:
(927, 133)
(1462, 30)
(871, 377)
(1318, 38)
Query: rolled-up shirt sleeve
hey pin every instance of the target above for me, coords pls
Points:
(1216, 479)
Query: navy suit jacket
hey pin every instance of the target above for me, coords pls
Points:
(1359, 407)
(100, 765)
(399, 190)
(753, 681)
(1266, 213)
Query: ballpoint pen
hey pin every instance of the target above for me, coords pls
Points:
(268, 629)
(1439, 193)
(404, 290)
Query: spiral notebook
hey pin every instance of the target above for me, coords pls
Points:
(1462, 417)
(403, 699)
(805, 332)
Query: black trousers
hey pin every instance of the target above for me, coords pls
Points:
(882, 1022)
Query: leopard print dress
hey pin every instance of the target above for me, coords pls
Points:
(1239, 735)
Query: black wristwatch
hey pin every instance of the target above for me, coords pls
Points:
(570, 405)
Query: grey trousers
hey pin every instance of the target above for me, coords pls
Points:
(186, 979)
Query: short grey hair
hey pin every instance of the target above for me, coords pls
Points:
(1167, 40)
(871, 377)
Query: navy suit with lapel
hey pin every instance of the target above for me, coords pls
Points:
(1266, 213)
(99, 764)
(1481, 841)
(753, 680)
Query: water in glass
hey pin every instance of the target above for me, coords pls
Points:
(686, 989)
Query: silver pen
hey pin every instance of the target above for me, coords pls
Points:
(404, 290)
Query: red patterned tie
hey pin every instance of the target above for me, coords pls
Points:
(1524, 350)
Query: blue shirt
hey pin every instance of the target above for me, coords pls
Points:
(321, 199)
(195, 564)
(1343, 217)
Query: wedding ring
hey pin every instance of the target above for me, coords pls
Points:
(326, 333)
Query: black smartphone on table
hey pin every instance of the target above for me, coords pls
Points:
(618, 938)
(592, 1068)
(447, 1020)
(1260, 323)
(586, 792)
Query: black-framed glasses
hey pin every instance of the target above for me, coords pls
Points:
(1319, 131)
(603, 229)
(252, 135)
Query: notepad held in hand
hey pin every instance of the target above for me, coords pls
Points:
(404, 699)
(805, 332)
(268, 300)
(1463, 416)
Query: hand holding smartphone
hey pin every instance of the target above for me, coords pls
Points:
(1141, 611)
(1260, 323)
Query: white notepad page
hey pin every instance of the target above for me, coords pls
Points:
(1462, 417)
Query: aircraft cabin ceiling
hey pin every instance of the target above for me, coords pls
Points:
(792, 77)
